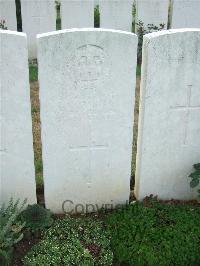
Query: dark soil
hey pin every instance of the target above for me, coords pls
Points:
(40, 195)
(21, 249)
(93, 249)
(147, 201)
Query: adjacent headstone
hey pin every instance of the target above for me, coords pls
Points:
(87, 84)
(185, 14)
(37, 17)
(17, 173)
(152, 12)
(169, 124)
(116, 14)
(96, 2)
(8, 14)
(77, 14)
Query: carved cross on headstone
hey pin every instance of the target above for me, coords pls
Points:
(187, 109)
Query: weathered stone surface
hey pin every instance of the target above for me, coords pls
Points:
(169, 125)
(17, 174)
(96, 2)
(37, 17)
(185, 14)
(116, 14)
(77, 14)
(152, 12)
(87, 83)
(8, 13)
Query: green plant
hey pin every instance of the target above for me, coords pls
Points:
(38, 166)
(70, 241)
(58, 23)
(39, 181)
(39, 169)
(33, 72)
(133, 16)
(58, 18)
(155, 234)
(96, 17)
(36, 217)
(57, 2)
(138, 70)
(141, 30)
(18, 15)
(195, 178)
(2, 25)
(10, 229)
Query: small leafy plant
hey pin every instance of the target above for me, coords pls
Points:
(3, 25)
(195, 178)
(141, 31)
(152, 233)
(36, 217)
(33, 72)
(96, 17)
(72, 241)
(58, 19)
(10, 229)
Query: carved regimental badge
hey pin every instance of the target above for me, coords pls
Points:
(88, 66)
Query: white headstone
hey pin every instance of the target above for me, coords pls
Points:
(77, 14)
(8, 13)
(185, 14)
(87, 115)
(96, 2)
(17, 173)
(37, 17)
(116, 14)
(169, 124)
(152, 12)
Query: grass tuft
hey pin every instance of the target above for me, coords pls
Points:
(33, 73)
